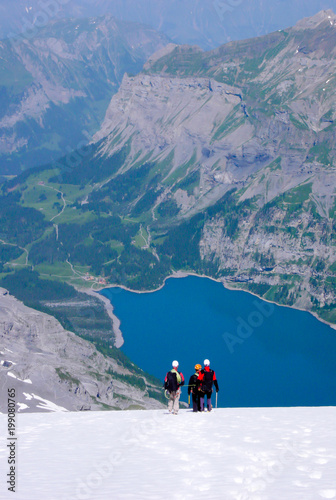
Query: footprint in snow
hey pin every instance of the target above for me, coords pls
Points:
(311, 473)
(327, 493)
(301, 484)
(248, 439)
(315, 475)
(238, 480)
(321, 461)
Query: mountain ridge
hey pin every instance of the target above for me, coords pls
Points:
(200, 22)
(287, 117)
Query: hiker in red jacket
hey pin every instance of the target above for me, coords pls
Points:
(206, 379)
(173, 383)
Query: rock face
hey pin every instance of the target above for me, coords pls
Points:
(162, 117)
(53, 369)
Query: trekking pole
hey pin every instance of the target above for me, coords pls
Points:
(188, 399)
(216, 398)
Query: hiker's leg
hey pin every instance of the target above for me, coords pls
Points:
(176, 401)
(171, 401)
(209, 400)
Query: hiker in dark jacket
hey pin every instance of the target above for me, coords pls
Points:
(173, 383)
(193, 388)
(206, 379)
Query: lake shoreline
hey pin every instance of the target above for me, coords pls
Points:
(178, 274)
(184, 274)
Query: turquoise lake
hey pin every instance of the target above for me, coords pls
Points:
(263, 354)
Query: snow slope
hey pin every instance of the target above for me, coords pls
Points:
(241, 454)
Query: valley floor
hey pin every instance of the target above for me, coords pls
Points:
(238, 454)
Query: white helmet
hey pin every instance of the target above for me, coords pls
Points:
(175, 364)
(206, 362)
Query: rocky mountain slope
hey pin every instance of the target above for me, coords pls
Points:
(218, 162)
(55, 86)
(235, 110)
(51, 368)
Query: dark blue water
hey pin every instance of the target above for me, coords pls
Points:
(263, 354)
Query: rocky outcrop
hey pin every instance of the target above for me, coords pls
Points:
(53, 369)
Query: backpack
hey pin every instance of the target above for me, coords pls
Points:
(171, 383)
(207, 381)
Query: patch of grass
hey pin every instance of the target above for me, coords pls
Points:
(134, 380)
(301, 125)
(321, 153)
(327, 312)
(297, 195)
(332, 212)
(229, 122)
(275, 165)
(274, 51)
(67, 377)
(168, 208)
(189, 183)
(259, 289)
(180, 172)
(293, 231)
(253, 65)
(141, 238)
(332, 268)
(57, 270)
(43, 199)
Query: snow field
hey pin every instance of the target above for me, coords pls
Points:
(238, 454)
